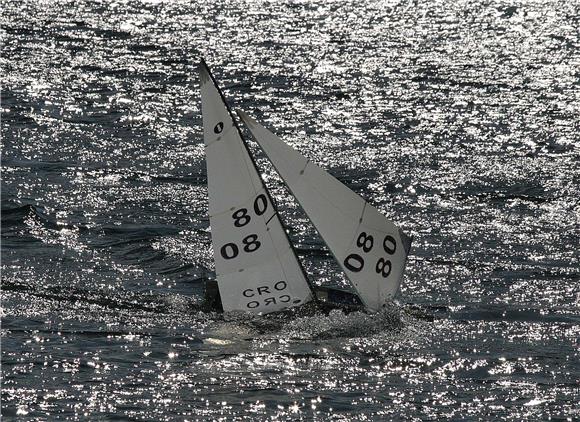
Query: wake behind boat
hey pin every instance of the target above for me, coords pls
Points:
(257, 268)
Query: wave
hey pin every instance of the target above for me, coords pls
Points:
(512, 313)
(18, 214)
(119, 299)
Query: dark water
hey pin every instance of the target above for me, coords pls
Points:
(458, 119)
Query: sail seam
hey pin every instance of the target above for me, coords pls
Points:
(244, 203)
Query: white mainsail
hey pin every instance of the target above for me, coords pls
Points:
(371, 250)
(256, 267)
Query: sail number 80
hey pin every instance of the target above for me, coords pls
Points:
(241, 216)
(355, 262)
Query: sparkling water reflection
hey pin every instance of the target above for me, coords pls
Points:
(457, 119)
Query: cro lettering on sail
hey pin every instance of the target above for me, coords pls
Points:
(266, 295)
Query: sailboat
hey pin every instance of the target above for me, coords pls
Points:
(257, 268)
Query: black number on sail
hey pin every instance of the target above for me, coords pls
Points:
(218, 128)
(354, 262)
(365, 242)
(390, 244)
(251, 243)
(260, 204)
(241, 217)
(229, 251)
(383, 267)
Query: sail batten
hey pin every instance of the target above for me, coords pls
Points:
(370, 249)
(256, 267)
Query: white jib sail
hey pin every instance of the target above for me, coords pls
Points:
(256, 268)
(371, 250)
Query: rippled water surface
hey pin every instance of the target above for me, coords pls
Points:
(458, 119)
